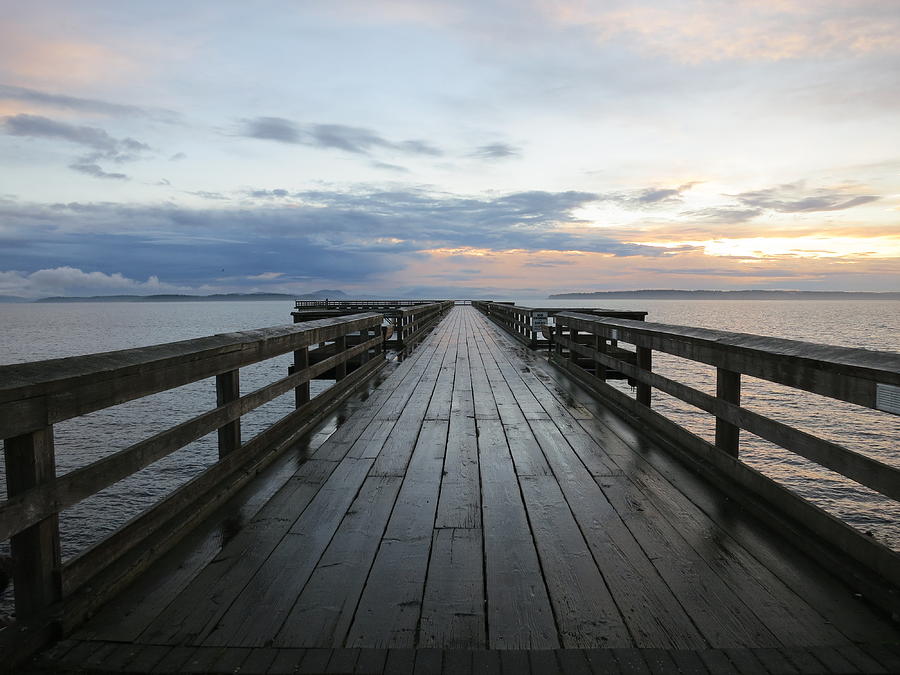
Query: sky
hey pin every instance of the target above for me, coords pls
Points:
(431, 147)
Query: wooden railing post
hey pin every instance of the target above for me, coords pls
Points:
(31, 461)
(600, 347)
(301, 362)
(340, 345)
(644, 362)
(728, 388)
(228, 388)
(364, 335)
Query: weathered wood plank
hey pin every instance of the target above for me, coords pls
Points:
(325, 607)
(653, 614)
(518, 607)
(453, 605)
(586, 613)
(389, 609)
(460, 499)
(261, 607)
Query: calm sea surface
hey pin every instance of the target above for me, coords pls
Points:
(41, 331)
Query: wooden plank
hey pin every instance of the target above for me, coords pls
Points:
(453, 606)
(526, 452)
(519, 611)
(649, 465)
(774, 661)
(429, 662)
(342, 661)
(586, 613)
(689, 662)
(287, 661)
(146, 658)
(371, 661)
(714, 604)
(325, 607)
(460, 499)
(543, 661)
(388, 611)
(630, 661)
(659, 661)
(717, 662)
(259, 661)
(314, 661)
(515, 661)
(651, 611)
(839, 545)
(261, 607)
(173, 660)
(858, 657)
(745, 661)
(602, 661)
(780, 604)
(204, 600)
(400, 662)
(486, 662)
(573, 662)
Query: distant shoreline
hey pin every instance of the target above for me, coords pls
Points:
(218, 297)
(727, 295)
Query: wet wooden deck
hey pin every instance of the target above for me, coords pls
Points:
(478, 512)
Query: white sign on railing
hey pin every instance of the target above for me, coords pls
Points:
(538, 320)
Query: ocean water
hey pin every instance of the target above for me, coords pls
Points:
(31, 332)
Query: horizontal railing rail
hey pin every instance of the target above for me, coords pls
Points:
(526, 323)
(340, 304)
(35, 396)
(587, 346)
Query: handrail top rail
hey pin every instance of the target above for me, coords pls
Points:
(36, 377)
(871, 364)
(363, 303)
(414, 309)
(557, 310)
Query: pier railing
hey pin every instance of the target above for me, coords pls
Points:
(35, 396)
(408, 320)
(413, 322)
(588, 347)
(526, 323)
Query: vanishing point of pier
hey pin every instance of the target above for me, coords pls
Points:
(489, 503)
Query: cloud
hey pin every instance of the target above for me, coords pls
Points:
(272, 129)
(89, 105)
(793, 198)
(265, 276)
(67, 280)
(355, 140)
(103, 146)
(649, 197)
(495, 151)
(96, 171)
(390, 167)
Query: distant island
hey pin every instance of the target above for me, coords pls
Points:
(663, 294)
(169, 297)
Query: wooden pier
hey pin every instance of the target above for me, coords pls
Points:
(480, 510)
